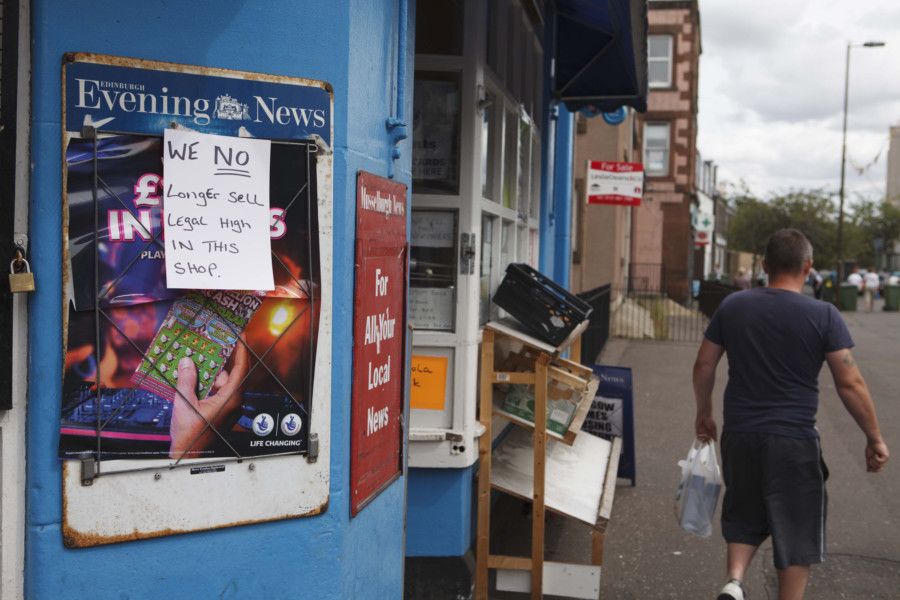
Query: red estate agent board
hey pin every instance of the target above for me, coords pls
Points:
(379, 317)
(616, 183)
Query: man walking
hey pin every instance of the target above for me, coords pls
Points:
(777, 339)
(871, 283)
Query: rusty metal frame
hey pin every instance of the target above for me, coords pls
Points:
(91, 467)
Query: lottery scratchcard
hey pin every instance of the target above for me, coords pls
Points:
(203, 326)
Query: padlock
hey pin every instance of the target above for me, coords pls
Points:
(20, 282)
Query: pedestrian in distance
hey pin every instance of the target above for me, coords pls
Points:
(815, 281)
(742, 280)
(776, 339)
(856, 279)
(871, 283)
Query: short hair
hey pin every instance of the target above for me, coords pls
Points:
(786, 252)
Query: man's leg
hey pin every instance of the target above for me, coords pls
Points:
(792, 582)
(739, 557)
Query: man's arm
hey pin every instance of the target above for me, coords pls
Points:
(854, 393)
(708, 357)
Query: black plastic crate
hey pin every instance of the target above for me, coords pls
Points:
(546, 309)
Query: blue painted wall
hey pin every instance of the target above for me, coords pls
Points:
(352, 45)
(441, 503)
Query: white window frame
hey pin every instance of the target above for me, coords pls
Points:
(668, 60)
(429, 447)
(668, 162)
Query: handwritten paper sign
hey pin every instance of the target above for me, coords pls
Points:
(433, 229)
(429, 382)
(431, 308)
(216, 212)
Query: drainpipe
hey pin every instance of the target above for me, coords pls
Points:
(562, 196)
(548, 147)
(396, 125)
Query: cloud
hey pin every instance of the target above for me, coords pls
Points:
(771, 91)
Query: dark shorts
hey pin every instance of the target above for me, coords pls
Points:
(775, 485)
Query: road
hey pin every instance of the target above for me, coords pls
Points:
(647, 556)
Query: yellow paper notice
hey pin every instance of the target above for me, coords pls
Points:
(428, 383)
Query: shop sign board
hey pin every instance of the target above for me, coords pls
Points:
(704, 224)
(116, 96)
(612, 414)
(615, 183)
(379, 317)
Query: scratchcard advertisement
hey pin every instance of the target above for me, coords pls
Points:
(154, 372)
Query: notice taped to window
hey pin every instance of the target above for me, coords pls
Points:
(216, 211)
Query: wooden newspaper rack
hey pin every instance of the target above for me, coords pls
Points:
(572, 474)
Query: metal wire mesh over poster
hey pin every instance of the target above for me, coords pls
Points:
(153, 372)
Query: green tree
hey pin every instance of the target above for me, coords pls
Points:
(753, 222)
(810, 211)
(874, 228)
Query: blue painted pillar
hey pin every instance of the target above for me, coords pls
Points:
(562, 196)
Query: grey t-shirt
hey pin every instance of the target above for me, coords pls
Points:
(776, 342)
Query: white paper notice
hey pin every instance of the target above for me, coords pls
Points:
(216, 212)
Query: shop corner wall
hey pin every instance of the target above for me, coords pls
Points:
(351, 44)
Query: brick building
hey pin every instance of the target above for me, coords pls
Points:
(664, 239)
(601, 235)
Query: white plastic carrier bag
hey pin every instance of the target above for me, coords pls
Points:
(698, 492)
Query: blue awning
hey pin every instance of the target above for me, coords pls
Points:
(601, 54)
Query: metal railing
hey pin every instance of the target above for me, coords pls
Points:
(651, 314)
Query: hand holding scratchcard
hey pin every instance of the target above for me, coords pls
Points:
(192, 417)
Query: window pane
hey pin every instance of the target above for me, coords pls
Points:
(538, 114)
(524, 167)
(487, 255)
(439, 27)
(436, 127)
(507, 238)
(512, 48)
(659, 60)
(493, 36)
(432, 270)
(488, 146)
(659, 73)
(535, 178)
(658, 46)
(656, 149)
(522, 254)
(510, 158)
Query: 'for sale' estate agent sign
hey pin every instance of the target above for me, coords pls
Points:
(616, 183)
(378, 337)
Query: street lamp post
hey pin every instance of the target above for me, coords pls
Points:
(840, 229)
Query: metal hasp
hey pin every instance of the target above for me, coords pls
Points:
(312, 454)
(88, 471)
(467, 253)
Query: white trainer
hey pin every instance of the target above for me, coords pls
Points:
(732, 591)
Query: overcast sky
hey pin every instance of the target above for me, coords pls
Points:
(771, 91)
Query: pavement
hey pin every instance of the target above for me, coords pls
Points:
(648, 556)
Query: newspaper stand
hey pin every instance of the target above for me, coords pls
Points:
(570, 473)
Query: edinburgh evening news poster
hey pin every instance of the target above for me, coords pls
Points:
(183, 373)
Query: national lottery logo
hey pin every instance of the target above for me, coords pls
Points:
(290, 424)
(263, 424)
